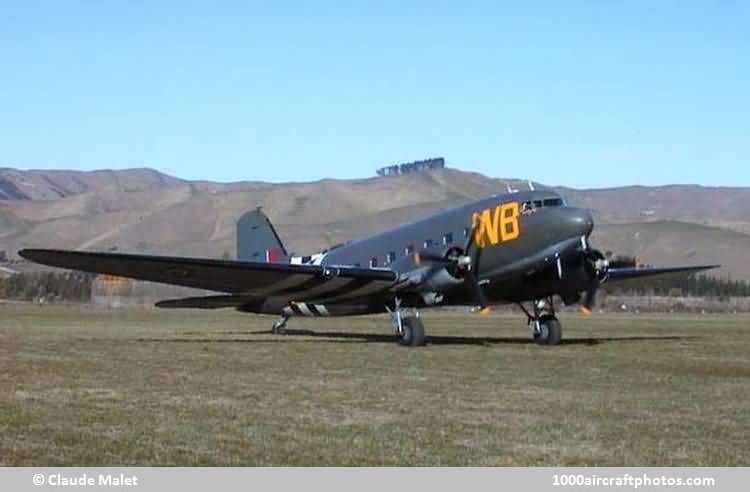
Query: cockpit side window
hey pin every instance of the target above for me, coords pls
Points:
(553, 202)
(528, 208)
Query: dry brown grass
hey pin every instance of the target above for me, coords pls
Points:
(93, 387)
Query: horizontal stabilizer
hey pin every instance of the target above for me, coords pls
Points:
(207, 302)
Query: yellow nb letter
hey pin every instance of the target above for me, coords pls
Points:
(476, 224)
(509, 228)
(489, 227)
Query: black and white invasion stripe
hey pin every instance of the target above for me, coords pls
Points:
(305, 309)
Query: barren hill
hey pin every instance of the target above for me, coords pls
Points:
(142, 210)
(53, 185)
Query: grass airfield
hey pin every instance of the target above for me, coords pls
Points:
(84, 386)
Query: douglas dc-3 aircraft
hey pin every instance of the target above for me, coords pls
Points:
(520, 247)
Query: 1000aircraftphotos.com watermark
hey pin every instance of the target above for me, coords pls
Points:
(627, 480)
(84, 479)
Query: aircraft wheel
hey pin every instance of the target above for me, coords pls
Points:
(413, 332)
(550, 331)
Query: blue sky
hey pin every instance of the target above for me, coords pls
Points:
(584, 94)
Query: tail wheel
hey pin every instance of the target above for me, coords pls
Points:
(279, 327)
(550, 331)
(412, 334)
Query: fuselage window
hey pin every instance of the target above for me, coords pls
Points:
(553, 202)
(538, 203)
(391, 257)
(357, 265)
(428, 243)
(448, 238)
(409, 250)
(373, 262)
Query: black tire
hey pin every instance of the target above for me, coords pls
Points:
(551, 331)
(413, 332)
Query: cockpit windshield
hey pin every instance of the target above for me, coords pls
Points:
(532, 206)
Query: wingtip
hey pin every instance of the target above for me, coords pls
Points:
(33, 254)
(44, 256)
(26, 253)
(703, 268)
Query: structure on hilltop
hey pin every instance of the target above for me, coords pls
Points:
(410, 167)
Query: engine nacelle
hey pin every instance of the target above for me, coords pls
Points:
(440, 280)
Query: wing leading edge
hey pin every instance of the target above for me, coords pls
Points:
(632, 272)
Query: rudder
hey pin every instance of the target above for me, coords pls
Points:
(257, 239)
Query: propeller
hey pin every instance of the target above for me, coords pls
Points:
(597, 266)
(461, 265)
(624, 262)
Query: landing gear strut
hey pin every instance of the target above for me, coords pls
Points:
(543, 324)
(407, 325)
(279, 326)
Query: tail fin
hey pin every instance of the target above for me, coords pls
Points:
(257, 239)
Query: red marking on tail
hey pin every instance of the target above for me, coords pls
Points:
(272, 255)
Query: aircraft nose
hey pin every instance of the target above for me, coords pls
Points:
(588, 220)
(582, 220)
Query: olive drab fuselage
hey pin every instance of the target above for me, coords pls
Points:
(509, 229)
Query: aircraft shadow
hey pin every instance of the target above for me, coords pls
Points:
(344, 337)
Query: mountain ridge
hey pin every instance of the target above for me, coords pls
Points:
(142, 210)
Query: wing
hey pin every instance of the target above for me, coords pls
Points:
(632, 272)
(260, 280)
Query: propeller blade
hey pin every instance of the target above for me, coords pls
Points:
(597, 267)
(589, 299)
(470, 276)
(470, 239)
(623, 263)
(469, 243)
(464, 263)
(471, 280)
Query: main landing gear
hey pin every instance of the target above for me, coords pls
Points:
(409, 329)
(407, 324)
(543, 324)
